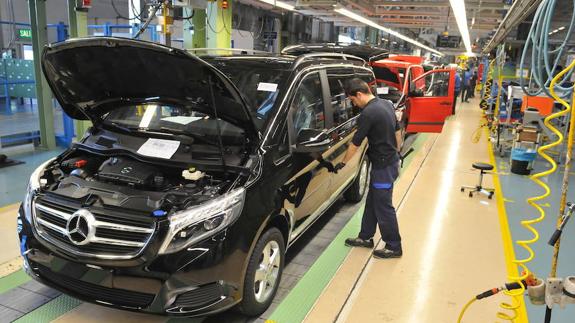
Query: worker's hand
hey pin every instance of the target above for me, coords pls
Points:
(338, 166)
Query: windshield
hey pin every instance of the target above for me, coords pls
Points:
(175, 120)
(259, 83)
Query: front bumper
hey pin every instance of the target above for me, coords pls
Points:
(202, 280)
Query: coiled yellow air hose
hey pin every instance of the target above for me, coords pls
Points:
(484, 122)
(528, 224)
(511, 311)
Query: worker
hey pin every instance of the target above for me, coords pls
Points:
(378, 123)
(466, 85)
(457, 90)
(472, 85)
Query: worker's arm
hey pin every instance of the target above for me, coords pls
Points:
(351, 150)
(399, 140)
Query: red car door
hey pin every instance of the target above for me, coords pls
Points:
(429, 100)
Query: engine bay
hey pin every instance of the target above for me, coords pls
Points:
(125, 182)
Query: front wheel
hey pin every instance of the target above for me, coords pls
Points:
(357, 189)
(264, 272)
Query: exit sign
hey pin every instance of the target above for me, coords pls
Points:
(24, 34)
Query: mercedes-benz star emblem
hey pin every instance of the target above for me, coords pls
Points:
(126, 170)
(80, 227)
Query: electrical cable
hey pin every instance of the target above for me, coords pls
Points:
(135, 12)
(149, 20)
(118, 14)
(12, 24)
(224, 22)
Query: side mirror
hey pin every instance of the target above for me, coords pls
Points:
(312, 140)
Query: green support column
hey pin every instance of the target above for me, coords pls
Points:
(78, 27)
(221, 22)
(197, 39)
(37, 10)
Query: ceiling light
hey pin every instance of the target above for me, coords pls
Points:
(561, 28)
(551, 33)
(556, 30)
(280, 4)
(370, 23)
(458, 7)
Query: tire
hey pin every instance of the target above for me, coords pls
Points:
(252, 304)
(358, 188)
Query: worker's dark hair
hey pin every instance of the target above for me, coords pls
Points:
(356, 85)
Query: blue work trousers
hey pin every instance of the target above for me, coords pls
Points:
(379, 210)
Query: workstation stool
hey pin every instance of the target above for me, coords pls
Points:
(483, 168)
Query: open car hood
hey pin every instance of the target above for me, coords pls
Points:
(92, 76)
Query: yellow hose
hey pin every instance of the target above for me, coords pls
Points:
(465, 309)
(528, 224)
(484, 122)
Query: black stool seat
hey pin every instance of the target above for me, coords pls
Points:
(482, 166)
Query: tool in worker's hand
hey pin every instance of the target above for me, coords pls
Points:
(564, 218)
(404, 155)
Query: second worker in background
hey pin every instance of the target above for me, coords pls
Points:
(378, 123)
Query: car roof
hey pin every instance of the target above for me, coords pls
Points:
(392, 63)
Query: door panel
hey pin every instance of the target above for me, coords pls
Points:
(430, 100)
(308, 187)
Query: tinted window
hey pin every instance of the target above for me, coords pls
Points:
(308, 105)
(259, 84)
(174, 119)
(342, 107)
(385, 74)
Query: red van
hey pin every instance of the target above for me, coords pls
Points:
(423, 100)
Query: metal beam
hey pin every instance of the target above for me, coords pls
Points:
(520, 10)
(37, 11)
(442, 4)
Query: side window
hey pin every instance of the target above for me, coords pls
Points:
(342, 107)
(434, 84)
(308, 105)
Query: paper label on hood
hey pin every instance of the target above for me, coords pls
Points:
(159, 148)
(267, 87)
(382, 90)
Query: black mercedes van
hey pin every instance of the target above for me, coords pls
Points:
(195, 177)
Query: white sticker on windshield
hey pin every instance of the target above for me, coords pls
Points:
(267, 87)
(159, 148)
(183, 120)
(382, 90)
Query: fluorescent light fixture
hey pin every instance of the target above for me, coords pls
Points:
(551, 33)
(556, 30)
(280, 4)
(561, 28)
(370, 23)
(458, 7)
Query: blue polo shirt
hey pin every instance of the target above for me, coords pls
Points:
(466, 78)
(457, 82)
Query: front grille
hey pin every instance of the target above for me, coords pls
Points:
(200, 297)
(106, 233)
(120, 297)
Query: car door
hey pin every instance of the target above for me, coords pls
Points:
(344, 124)
(429, 100)
(308, 187)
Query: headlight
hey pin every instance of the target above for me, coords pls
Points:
(194, 224)
(33, 186)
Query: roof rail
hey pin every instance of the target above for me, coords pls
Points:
(300, 59)
(232, 50)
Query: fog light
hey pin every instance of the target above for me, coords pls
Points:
(213, 222)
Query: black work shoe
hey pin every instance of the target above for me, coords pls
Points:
(359, 242)
(386, 253)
